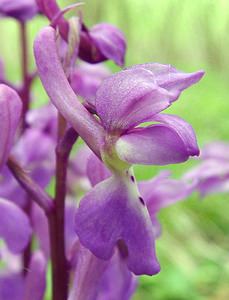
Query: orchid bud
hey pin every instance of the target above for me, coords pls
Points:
(21, 10)
(102, 42)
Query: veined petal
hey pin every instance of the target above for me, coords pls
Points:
(112, 212)
(159, 144)
(171, 79)
(35, 281)
(128, 98)
(60, 92)
(10, 113)
(15, 234)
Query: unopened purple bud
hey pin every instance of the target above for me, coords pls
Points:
(102, 42)
(21, 10)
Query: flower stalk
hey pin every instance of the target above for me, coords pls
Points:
(60, 274)
(30, 186)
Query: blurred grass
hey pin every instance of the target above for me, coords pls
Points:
(194, 247)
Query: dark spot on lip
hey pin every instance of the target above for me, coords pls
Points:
(141, 200)
(132, 178)
(122, 248)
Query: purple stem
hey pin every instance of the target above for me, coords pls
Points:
(25, 96)
(31, 187)
(60, 276)
(26, 80)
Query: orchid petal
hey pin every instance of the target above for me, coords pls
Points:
(128, 98)
(35, 281)
(112, 212)
(183, 129)
(10, 113)
(10, 189)
(11, 287)
(170, 78)
(39, 160)
(96, 170)
(87, 276)
(16, 234)
(159, 144)
(123, 286)
(40, 226)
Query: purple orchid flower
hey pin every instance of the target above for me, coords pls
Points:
(21, 10)
(158, 193)
(13, 286)
(10, 113)
(116, 211)
(101, 42)
(212, 174)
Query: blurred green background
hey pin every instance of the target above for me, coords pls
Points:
(189, 34)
